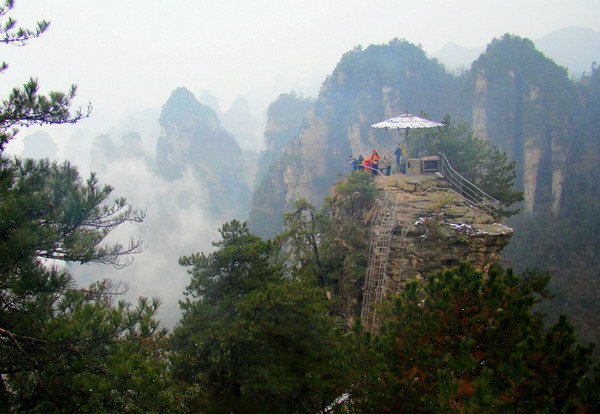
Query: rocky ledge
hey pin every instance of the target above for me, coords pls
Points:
(436, 229)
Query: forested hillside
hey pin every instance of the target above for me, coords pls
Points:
(567, 242)
(515, 97)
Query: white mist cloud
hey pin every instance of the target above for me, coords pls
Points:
(176, 224)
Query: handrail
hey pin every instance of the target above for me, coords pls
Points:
(468, 190)
(376, 286)
(357, 166)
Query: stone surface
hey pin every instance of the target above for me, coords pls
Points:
(434, 229)
(443, 229)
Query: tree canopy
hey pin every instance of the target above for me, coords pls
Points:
(252, 338)
(463, 342)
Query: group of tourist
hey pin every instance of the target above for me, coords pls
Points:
(380, 164)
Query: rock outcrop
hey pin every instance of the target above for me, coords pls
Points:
(192, 137)
(513, 95)
(524, 103)
(426, 228)
(276, 173)
(366, 87)
(39, 145)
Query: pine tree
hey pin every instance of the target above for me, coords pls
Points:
(328, 246)
(467, 343)
(252, 338)
(64, 348)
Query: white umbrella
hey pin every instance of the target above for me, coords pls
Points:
(406, 122)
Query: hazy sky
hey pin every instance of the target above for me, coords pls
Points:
(133, 53)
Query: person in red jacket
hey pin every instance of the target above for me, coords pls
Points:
(367, 164)
(375, 162)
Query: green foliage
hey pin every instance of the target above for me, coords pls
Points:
(59, 341)
(239, 265)
(355, 195)
(24, 107)
(89, 355)
(304, 226)
(329, 245)
(251, 338)
(64, 348)
(416, 82)
(463, 342)
(49, 212)
(476, 160)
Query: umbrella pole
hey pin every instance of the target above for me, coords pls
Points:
(407, 146)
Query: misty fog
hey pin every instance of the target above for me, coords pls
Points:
(177, 221)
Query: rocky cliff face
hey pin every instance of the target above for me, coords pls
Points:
(366, 87)
(192, 138)
(285, 118)
(525, 104)
(514, 96)
(442, 230)
(565, 239)
(431, 229)
(276, 172)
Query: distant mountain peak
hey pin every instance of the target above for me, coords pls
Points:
(455, 56)
(557, 45)
(210, 100)
(572, 47)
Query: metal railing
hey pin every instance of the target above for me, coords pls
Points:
(362, 167)
(473, 194)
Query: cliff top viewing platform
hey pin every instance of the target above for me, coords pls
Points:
(431, 192)
(420, 225)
